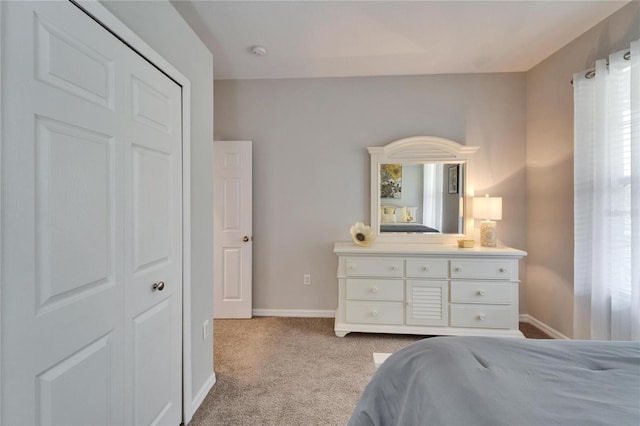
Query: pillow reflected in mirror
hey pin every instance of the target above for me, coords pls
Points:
(388, 218)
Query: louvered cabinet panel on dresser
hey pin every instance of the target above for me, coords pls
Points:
(427, 289)
(426, 302)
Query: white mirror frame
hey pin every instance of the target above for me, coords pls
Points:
(420, 150)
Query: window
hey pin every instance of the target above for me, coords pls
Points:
(606, 199)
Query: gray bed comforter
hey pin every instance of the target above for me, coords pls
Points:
(465, 381)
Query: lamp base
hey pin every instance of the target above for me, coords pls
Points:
(488, 234)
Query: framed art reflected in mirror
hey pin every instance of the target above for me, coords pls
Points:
(454, 172)
(390, 180)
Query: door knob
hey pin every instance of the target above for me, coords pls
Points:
(245, 239)
(158, 286)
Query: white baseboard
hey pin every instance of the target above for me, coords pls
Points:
(542, 326)
(298, 313)
(202, 393)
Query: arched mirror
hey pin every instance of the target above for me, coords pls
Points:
(420, 190)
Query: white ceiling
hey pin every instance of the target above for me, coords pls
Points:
(366, 38)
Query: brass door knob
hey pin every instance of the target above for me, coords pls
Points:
(245, 239)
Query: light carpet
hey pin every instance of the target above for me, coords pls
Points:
(292, 371)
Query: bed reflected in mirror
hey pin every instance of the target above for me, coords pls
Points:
(421, 198)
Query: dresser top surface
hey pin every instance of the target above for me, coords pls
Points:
(348, 247)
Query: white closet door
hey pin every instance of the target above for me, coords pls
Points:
(153, 254)
(75, 315)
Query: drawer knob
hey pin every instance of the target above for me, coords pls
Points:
(374, 313)
(481, 293)
(503, 270)
(426, 268)
(481, 317)
(394, 268)
(374, 289)
(458, 269)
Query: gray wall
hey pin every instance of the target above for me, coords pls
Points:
(550, 165)
(160, 26)
(311, 166)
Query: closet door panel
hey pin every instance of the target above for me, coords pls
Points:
(153, 234)
(151, 208)
(62, 219)
(74, 192)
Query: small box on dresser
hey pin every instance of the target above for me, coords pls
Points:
(429, 289)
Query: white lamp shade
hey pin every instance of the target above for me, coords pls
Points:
(488, 208)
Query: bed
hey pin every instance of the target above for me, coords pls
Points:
(405, 227)
(504, 381)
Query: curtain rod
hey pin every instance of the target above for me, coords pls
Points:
(592, 73)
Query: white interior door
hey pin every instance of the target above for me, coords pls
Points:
(91, 218)
(232, 226)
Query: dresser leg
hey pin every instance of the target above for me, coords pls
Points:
(341, 333)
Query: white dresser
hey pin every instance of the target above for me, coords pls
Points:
(427, 289)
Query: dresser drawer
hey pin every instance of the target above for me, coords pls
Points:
(481, 292)
(375, 289)
(484, 269)
(374, 267)
(427, 268)
(375, 312)
(482, 316)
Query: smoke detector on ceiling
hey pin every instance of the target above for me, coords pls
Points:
(258, 50)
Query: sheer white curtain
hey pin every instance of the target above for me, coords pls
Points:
(432, 198)
(607, 199)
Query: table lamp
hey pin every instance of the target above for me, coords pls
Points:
(489, 209)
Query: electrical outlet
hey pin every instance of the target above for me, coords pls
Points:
(205, 330)
(307, 279)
